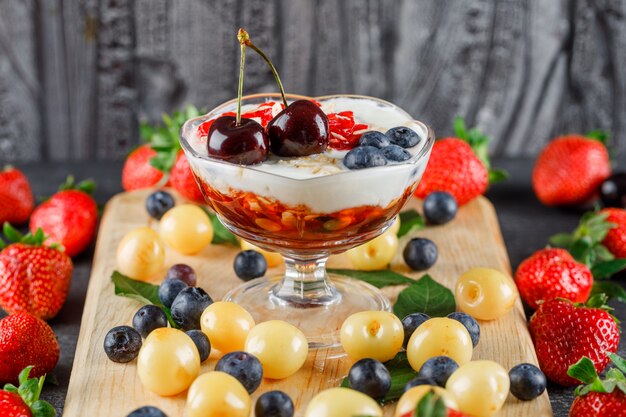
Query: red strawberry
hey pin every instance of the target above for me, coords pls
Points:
(25, 341)
(12, 405)
(460, 165)
(24, 401)
(69, 217)
(16, 197)
(453, 167)
(564, 332)
(33, 278)
(599, 397)
(615, 239)
(344, 132)
(182, 179)
(137, 172)
(550, 274)
(569, 170)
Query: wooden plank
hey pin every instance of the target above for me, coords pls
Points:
(19, 86)
(100, 387)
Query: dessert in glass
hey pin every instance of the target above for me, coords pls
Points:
(309, 207)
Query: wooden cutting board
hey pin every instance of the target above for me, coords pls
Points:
(99, 387)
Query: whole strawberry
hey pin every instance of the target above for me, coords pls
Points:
(569, 170)
(137, 172)
(69, 217)
(25, 341)
(24, 401)
(564, 332)
(182, 179)
(615, 239)
(460, 166)
(33, 278)
(16, 197)
(553, 273)
(599, 397)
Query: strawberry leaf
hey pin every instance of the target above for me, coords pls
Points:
(11, 233)
(410, 221)
(425, 296)
(601, 136)
(610, 289)
(497, 175)
(431, 405)
(380, 279)
(42, 409)
(603, 270)
(619, 362)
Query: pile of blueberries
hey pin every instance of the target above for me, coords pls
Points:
(377, 149)
(371, 377)
(187, 303)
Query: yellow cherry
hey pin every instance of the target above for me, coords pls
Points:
(375, 254)
(217, 394)
(186, 229)
(227, 325)
(372, 334)
(141, 254)
(485, 293)
(342, 402)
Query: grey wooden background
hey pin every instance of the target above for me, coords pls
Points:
(77, 75)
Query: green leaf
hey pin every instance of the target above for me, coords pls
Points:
(221, 235)
(23, 376)
(379, 279)
(10, 388)
(622, 386)
(601, 136)
(426, 296)
(143, 292)
(28, 390)
(602, 253)
(458, 125)
(561, 240)
(583, 370)
(603, 270)
(497, 175)
(11, 233)
(410, 221)
(431, 405)
(42, 409)
(611, 289)
(619, 362)
(597, 300)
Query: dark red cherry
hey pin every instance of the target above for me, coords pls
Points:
(300, 129)
(245, 144)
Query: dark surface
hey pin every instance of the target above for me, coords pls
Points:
(75, 75)
(525, 224)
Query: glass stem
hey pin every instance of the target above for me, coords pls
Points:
(306, 283)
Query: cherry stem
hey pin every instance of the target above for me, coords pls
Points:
(244, 39)
(240, 90)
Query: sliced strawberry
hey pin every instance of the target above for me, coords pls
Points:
(344, 132)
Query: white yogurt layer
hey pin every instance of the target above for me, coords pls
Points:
(328, 185)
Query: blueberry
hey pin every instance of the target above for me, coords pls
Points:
(364, 157)
(147, 411)
(438, 369)
(419, 380)
(183, 272)
(403, 136)
(250, 264)
(370, 377)
(122, 344)
(274, 404)
(148, 318)
(410, 323)
(169, 289)
(243, 366)
(527, 381)
(375, 139)
(420, 253)
(440, 207)
(188, 306)
(396, 154)
(470, 324)
(202, 343)
(158, 203)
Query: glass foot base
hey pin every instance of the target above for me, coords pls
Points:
(320, 320)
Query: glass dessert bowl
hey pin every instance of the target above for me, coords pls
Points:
(307, 208)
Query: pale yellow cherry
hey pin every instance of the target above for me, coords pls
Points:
(439, 336)
(342, 402)
(375, 254)
(395, 226)
(409, 400)
(168, 361)
(372, 334)
(281, 348)
(140, 254)
(227, 325)
(217, 394)
(479, 387)
(485, 293)
(186, 229)
(273, 258)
